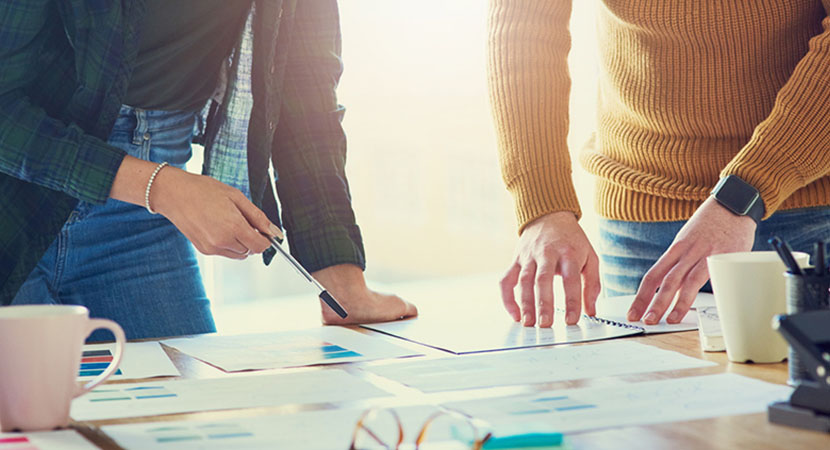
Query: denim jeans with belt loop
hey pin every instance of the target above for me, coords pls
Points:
(122, 262)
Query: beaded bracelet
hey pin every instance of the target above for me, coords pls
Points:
(149, 185)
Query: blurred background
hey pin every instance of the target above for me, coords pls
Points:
(423, 162)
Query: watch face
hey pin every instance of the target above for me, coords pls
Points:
(736, 195)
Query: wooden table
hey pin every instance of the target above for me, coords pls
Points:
(745, 432)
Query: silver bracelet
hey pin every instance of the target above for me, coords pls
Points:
(149, 185)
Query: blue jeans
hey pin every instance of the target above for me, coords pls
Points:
(627, 250)
(120, 261)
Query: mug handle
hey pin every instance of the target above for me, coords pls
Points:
(116, 329)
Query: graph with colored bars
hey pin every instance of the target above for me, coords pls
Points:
(301, 351)
(333, 351)
(16, 443)
(207, 432)
(94, 362)
(135, 393)
(547, 405)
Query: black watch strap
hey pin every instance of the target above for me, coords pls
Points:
(740, 197)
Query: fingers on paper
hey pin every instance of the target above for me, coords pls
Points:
(696, 278)
(508, 297)
(590, 284)
(544, 293)
(527, 281)
(651, 281)
(572, 285)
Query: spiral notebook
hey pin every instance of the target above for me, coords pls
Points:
(484, 330)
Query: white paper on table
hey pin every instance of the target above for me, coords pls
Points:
(310, 430)
(323, 345)
(117, 401)
(45, 440)
(140, 360)
(703, 300)
(640, 403)
(534, 366)
(473, 333)
(615, 309)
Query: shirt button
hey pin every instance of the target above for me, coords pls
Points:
(272, 69)
(146, 136)
(271, 125)
(280, 15)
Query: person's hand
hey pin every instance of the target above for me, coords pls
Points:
(682, 269)
(551, 245)
(216, 218)
(345, 282)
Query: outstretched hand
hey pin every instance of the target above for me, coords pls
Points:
(549, 246)
(682, 270)
(347, 284)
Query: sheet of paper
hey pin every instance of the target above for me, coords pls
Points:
(114, 401)
(312, 430)
(711, 336)
(703, 300)
(616, 309)
(140, 360)
(473, 333)
(322, 345)
(641, 403)
(45, 440)
(534, 366)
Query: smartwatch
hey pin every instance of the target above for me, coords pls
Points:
(739, 197)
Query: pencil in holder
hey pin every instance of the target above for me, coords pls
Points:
(807, 292)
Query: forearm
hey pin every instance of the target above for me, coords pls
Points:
(309, 150)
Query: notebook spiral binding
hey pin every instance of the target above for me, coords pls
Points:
(612, 322)
(606, 321)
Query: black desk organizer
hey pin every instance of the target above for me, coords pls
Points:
(808, 334)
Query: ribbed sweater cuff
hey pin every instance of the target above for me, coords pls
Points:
(772, 172)
(541, 191)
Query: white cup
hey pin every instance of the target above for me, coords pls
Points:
(749, 291)
(40, 356)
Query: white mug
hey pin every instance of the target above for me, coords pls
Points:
(749, 291)
(40, 356)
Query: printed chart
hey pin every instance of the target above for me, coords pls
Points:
(45, 440)
(250, 391)
(535, 366)
(641, 403)
(329, 428)
(323, 345)
(94, 362)
(141, 360)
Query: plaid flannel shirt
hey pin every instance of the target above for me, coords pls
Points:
(64, 69)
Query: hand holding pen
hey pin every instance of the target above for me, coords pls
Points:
(327, 298)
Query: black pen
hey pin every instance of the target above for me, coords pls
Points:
(786, 255)
(324, 295)
(819, 262)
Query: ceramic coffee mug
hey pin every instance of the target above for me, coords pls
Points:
(749, 291)
(40, 356)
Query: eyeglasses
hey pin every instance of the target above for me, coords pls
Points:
(382, 428)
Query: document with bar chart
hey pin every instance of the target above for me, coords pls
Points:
(323, 345)
(306, 430)
(45, 440)
(628, 404)
(116, 401)
(141, 360)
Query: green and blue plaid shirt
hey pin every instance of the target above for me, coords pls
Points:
(64, 69)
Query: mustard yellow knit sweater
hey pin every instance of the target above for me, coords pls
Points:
(689, 91)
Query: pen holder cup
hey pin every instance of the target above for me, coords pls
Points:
(808, 292)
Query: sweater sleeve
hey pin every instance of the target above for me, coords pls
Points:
(791, 147)
(528, 45)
